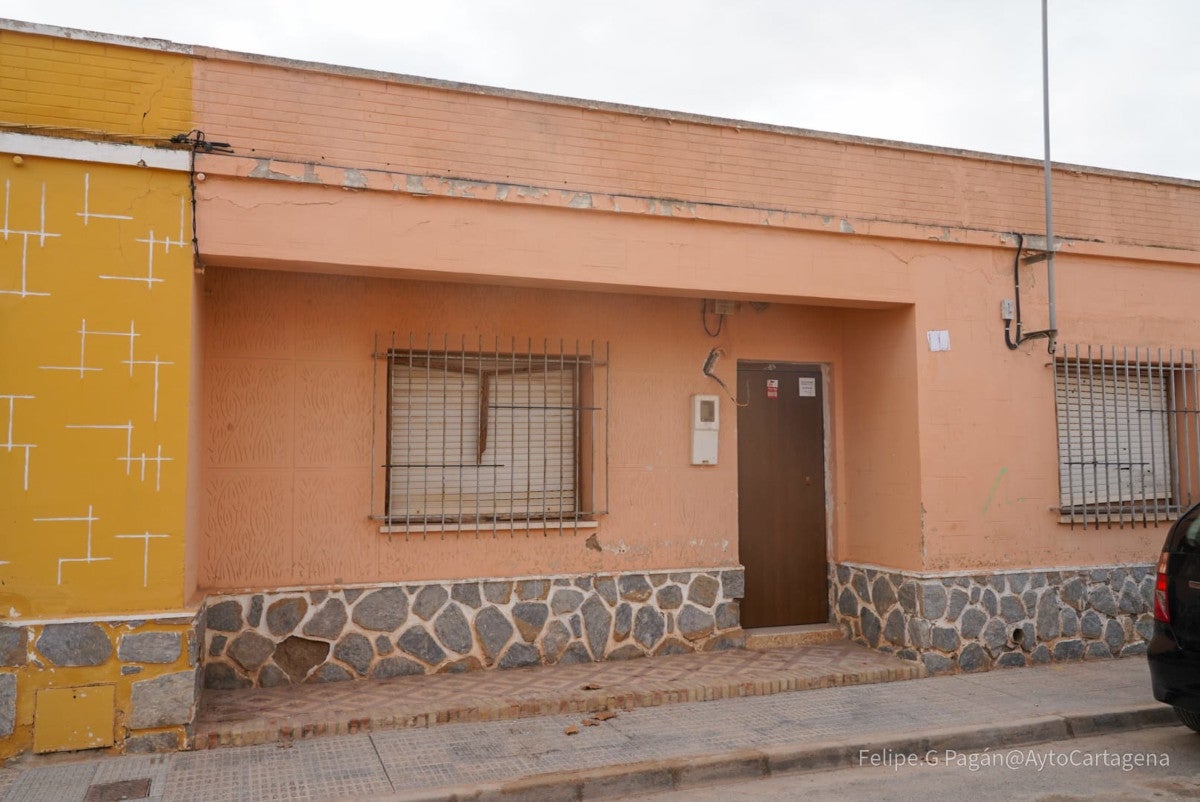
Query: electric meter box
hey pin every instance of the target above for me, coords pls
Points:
(706, 425)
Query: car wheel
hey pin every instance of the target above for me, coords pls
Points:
(1190, 718)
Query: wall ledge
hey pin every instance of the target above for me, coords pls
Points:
(434, 187)
(86, 150)
(989, 571)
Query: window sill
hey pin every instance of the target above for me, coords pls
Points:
(1106, 518)
(507, 526)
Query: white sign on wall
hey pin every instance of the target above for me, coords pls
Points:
(938, 340)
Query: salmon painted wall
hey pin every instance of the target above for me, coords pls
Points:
(989, 456)
(882, 493)
(932, 456)
(94, 327)
(287, 472)
(348, 118)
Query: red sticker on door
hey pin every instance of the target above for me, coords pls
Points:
(772, 388)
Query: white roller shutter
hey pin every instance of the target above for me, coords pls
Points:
(434, 431)
(1113, 441)
(486, 439)
(531, 434)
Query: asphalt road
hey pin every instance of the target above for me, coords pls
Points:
(1154, 764)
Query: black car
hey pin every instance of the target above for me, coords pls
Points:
(1175, 649)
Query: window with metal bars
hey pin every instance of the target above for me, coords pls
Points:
(1128, 434)
(495, 437)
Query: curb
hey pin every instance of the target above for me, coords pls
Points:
(656, 776)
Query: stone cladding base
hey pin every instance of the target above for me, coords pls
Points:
(973, 621)
(323, 635)
(150, 666)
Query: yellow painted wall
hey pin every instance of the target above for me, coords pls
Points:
(71, 84)
(95, 274)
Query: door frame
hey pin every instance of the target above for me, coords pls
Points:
(829, 464)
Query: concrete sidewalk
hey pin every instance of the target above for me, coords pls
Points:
(637, 751)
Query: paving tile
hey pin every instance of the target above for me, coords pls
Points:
(7, 778)
(328, 768)
(61, 782)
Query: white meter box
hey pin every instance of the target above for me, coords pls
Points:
(706, 424)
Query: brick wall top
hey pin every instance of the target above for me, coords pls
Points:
(372, 121)
(54, 83)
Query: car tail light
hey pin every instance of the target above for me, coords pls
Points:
(1161, 611)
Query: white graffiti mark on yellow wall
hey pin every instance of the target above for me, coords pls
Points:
(156, 363)
(150, 241)
(129, 459)
(88, 215)
(84, 333)
(88, 557)
(25, 234)
(10, 444)
(145, 537)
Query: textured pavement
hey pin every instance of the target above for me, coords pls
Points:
(504, 757)
(246, 717)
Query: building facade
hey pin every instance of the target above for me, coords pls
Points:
(368, 375)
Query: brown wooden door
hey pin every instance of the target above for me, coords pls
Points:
(781, 494)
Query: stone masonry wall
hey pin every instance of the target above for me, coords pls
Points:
(152, 664)
(972, 622)
(269, 639)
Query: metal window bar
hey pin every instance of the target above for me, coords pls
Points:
(425, 437)
(1130, 431)
(1186, 444)
(1150, 411)
(495, 468)
(1105, 406)
(1172, 430)
(491, 437)
(1065, 411)
(1116, 432)
(1091, 379)
(1128, 434)
(1138, 431)
(1194, 410)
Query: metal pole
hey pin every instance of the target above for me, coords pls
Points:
(1053, 327)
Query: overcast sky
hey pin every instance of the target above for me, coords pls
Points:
(1124, 74)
